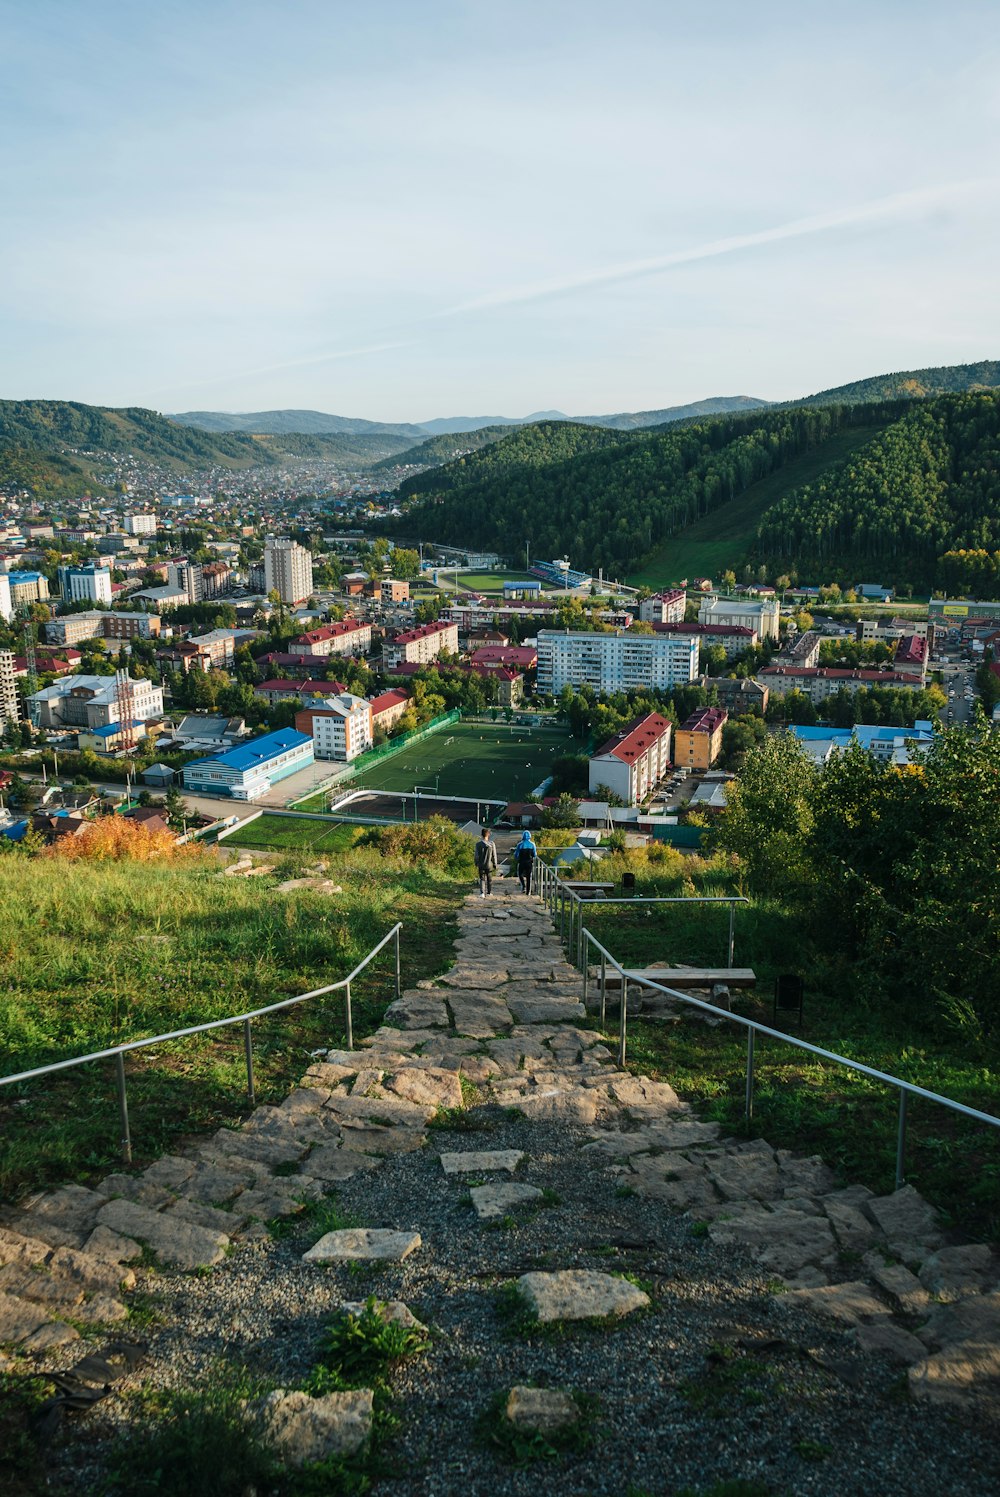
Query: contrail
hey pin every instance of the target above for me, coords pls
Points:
(818, 223)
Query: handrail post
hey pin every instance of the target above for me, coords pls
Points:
(126, 1137)
(350, 1021)
(248, 1052)
(398, 969)
(748, 1105)
(732, 931)
(621, 1024)
(585, 944)
(901, 1142)
(604, 988)
(580, 949)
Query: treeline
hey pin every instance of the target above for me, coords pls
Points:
(915, 384)
(897, 864)
(926, 488)
(445, 448)
(609, 498)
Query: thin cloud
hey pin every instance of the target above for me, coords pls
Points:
(320, 358)
(896, 203)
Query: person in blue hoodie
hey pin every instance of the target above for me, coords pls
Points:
(525, 854)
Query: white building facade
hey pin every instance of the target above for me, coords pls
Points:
(421, 645)
(86, 584)
(761, 615)
(342, 727)
(287, 569)
(634, 761)
(614, 662)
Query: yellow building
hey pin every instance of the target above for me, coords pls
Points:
(698, 740)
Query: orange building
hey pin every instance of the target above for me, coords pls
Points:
(698, 740)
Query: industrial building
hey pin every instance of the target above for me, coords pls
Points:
(248, 772)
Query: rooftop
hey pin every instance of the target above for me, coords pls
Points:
(258, 751)
(707, 720)
(632, 742)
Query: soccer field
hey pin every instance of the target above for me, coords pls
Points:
(478, 760)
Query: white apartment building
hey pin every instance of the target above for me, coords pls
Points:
(761, 615)
(85, 584)
(820, 682)
(615, 662)
(349, 637)
(664, 608)
(140, 524)
(287, 569)
(6, 603)
(8, 688)
(421, 645)
(92, 702)
(632, 763)
(70, 628)
(341, 727)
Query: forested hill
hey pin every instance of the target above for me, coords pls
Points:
(924, 485)
(913, 384)
(443, 449)
(607, 498)
(71, 429)
(919, 503)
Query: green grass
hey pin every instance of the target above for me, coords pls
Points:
(279, 832)
(722, 539)
(98, 954)
(472, 759)
(492, 582)
(801, 1102)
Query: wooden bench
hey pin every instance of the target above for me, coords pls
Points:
(587, 890)
(688, 977)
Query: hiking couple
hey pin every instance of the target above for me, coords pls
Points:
(522, 860)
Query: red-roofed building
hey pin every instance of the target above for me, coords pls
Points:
(515, 657)
(282, 690)
(388, 708)
(698, 741)
(818, 682)
(511, 682)
(664, 608)
(351, 637)
(734, 638)
(632, 762)
(911, 657)
(421, 645)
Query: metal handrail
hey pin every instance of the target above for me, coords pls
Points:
(119, 1051)
(556, 892)
(753, 1027)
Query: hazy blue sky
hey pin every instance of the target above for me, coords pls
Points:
(409, 208)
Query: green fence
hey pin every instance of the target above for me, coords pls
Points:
(396, 745)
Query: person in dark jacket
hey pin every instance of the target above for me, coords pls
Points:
(525, 854)
(486, 862)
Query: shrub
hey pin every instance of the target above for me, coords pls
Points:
(436, 841)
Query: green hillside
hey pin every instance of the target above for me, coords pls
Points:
(611, 499)
(926, 486)
(724, 539)
(442, 449)
(54, 425)
(360, 450)
(913, 384)
(281, 423)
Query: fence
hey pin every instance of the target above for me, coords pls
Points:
(566, 907)
(396, 745)
(120, 1051)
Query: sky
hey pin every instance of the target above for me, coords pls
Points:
(402, 209)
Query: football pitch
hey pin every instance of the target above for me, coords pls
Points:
(477, 760)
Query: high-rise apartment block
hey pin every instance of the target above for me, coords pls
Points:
(140, 524)
(185, 576)
(85, 584)
(614, 662)
(8, 689)
(287, 569)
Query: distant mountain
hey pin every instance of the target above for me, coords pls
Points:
(278, 423)
(912, 384)
(715, 405)
(446, 425)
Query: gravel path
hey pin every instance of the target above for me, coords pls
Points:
(724, 1376)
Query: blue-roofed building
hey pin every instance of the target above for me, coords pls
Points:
(247, 772)
(893, 745)
(109, 738)
(28, 587)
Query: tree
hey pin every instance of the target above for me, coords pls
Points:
(564, 814)
(768, 817)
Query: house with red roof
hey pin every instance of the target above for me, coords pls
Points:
(349, 637)
(632, 762)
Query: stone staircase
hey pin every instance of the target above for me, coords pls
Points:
(505, 1026)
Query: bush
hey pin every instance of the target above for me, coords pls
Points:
(436, 842)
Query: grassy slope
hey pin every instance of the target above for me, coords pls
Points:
(801, 1103)
(721, 540)
(96, 954)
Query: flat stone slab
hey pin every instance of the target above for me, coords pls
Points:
(363, 1244)
(543, 1410)
(579, 1294)
(783, 1241)
(955, 1272)
(890, 1341)
(559, 1104)
(908, 1222)
(497, 1200)
(173, 1241)
(428, 1085)
(480, 1017)
(957, 1374)
(481, 1161)
(542, 1010)
(18, 1319)
(302, 1429)
(851, 1304)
